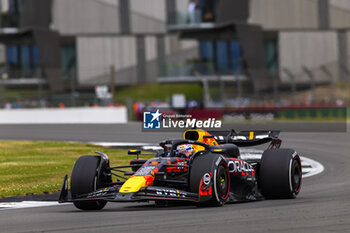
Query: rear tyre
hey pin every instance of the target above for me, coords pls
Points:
(280, 175)
(84, 179)
(215, 165)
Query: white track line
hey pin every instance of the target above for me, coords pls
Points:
(121, 143)
(28, 204)
(313, 167)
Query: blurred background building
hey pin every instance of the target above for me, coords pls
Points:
(256, 46)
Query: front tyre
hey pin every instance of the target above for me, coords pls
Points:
(211, 171)
(84, 179)
(280, 174)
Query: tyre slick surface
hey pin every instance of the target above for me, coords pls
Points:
(84, 180)
(280, 175)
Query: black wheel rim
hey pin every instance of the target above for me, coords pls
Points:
(222, 182)
(296, 176)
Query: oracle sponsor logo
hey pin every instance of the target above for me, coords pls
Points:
(239, 166)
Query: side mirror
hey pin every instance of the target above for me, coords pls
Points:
(134, 152)
(208, 136)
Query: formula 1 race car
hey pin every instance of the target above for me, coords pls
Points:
(203, 168)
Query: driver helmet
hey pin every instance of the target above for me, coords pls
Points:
(186, 150)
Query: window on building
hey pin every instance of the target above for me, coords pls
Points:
(12, 56)
(22, 60)
(236, 57)
(206, 50)
(202, 11)
(207, 57)
(68, 60)
(271, 56)
(208, 10)
(228, 57)
(10, 13)
(14, 12)
(222, 54)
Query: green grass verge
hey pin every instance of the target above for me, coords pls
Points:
(18, 94)
(151, 92)
(36, 167)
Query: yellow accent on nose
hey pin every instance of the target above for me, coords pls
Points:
(251, 135)
(133, 184)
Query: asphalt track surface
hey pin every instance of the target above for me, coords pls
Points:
(322, 206)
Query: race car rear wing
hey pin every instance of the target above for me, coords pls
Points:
(247, 138)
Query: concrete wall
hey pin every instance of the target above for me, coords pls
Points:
(148, 16)
(339, 13)
(310, 49)
(102, 16)
(151, 56)
(64, 116)
(4, 5)
(97, 54)
(85, 16)
(275, 14)
(283, 14)
(2, 53)
(348, 48)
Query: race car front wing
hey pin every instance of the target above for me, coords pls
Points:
(112, 194)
